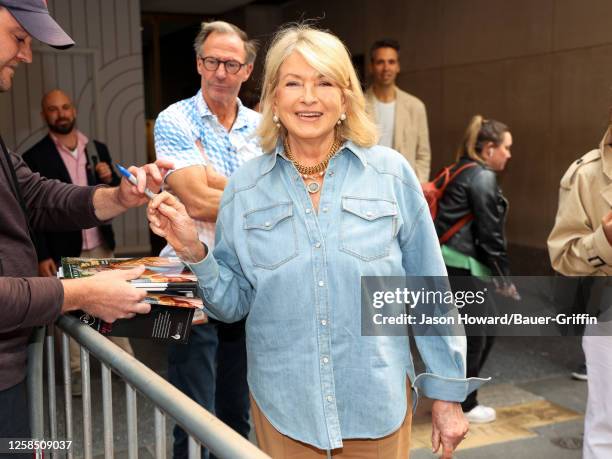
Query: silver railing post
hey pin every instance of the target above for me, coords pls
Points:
(35, 382)
(67, 379)
(195, 450)
(132, 421)
(51, 386)
(160, 434)
(107, 409)
(86, 388)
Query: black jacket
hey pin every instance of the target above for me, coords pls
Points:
(475, 190)
(45, 159)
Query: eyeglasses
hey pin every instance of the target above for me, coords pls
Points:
(212, 63)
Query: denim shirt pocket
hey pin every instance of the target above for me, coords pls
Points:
(368, 227)
(271, 235)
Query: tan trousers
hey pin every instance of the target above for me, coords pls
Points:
(394, 446)
(75, 351)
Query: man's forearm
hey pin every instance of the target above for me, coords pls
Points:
(204, 207)
(215, 180)
(107, 204)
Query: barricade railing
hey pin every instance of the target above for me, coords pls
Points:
(203, 428)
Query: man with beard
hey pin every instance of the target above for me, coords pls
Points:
(66, 154)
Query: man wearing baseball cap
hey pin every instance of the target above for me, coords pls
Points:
(34, 17)
(30, 203)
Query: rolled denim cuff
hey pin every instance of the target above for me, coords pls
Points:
(444, 388)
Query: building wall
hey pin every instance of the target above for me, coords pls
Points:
(542, 67)
(103, 74)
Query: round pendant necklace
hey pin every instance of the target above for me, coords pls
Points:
(313, 187)
(311, 184)
(310, 173)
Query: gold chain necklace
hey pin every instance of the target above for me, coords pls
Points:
(309, 173)
(306, 171)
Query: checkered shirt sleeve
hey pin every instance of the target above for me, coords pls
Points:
(175, 138)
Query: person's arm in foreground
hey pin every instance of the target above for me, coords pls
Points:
(444, 356)
(38, 301)
(442, 351)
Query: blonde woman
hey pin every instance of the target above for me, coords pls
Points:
(297, 229)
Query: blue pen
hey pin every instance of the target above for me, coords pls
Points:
(128, 175)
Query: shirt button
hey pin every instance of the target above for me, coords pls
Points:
(330, 398)
(325, 360)
(331, 173)
(325, 209)
(267, 224)
(321, 283)
(317, 245)
(308, 211)
(369, 214)
(324, 322)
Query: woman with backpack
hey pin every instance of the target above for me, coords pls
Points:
(470, 224)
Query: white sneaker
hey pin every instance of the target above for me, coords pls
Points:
(481, 414)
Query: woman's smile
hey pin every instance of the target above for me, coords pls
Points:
(309, 116)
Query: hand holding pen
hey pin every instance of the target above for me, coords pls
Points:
(141, 183)
(128, 175)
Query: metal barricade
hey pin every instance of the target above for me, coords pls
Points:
(202, 427)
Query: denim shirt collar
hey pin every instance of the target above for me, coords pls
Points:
(270, 159)
(204, 110)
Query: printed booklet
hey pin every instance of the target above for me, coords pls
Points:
(171, 291)
(161, 273)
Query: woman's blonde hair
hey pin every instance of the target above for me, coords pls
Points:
(479, 132)
(327, 54)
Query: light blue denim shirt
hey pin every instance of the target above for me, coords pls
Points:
(297, 275)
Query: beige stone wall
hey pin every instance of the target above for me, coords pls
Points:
(103, 74)
(544, 67)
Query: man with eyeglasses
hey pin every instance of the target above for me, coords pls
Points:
(207, 137)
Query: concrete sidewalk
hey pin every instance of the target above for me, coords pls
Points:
(540, 408)
(537, 419)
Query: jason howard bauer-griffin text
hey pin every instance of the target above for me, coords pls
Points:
(504, 319)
